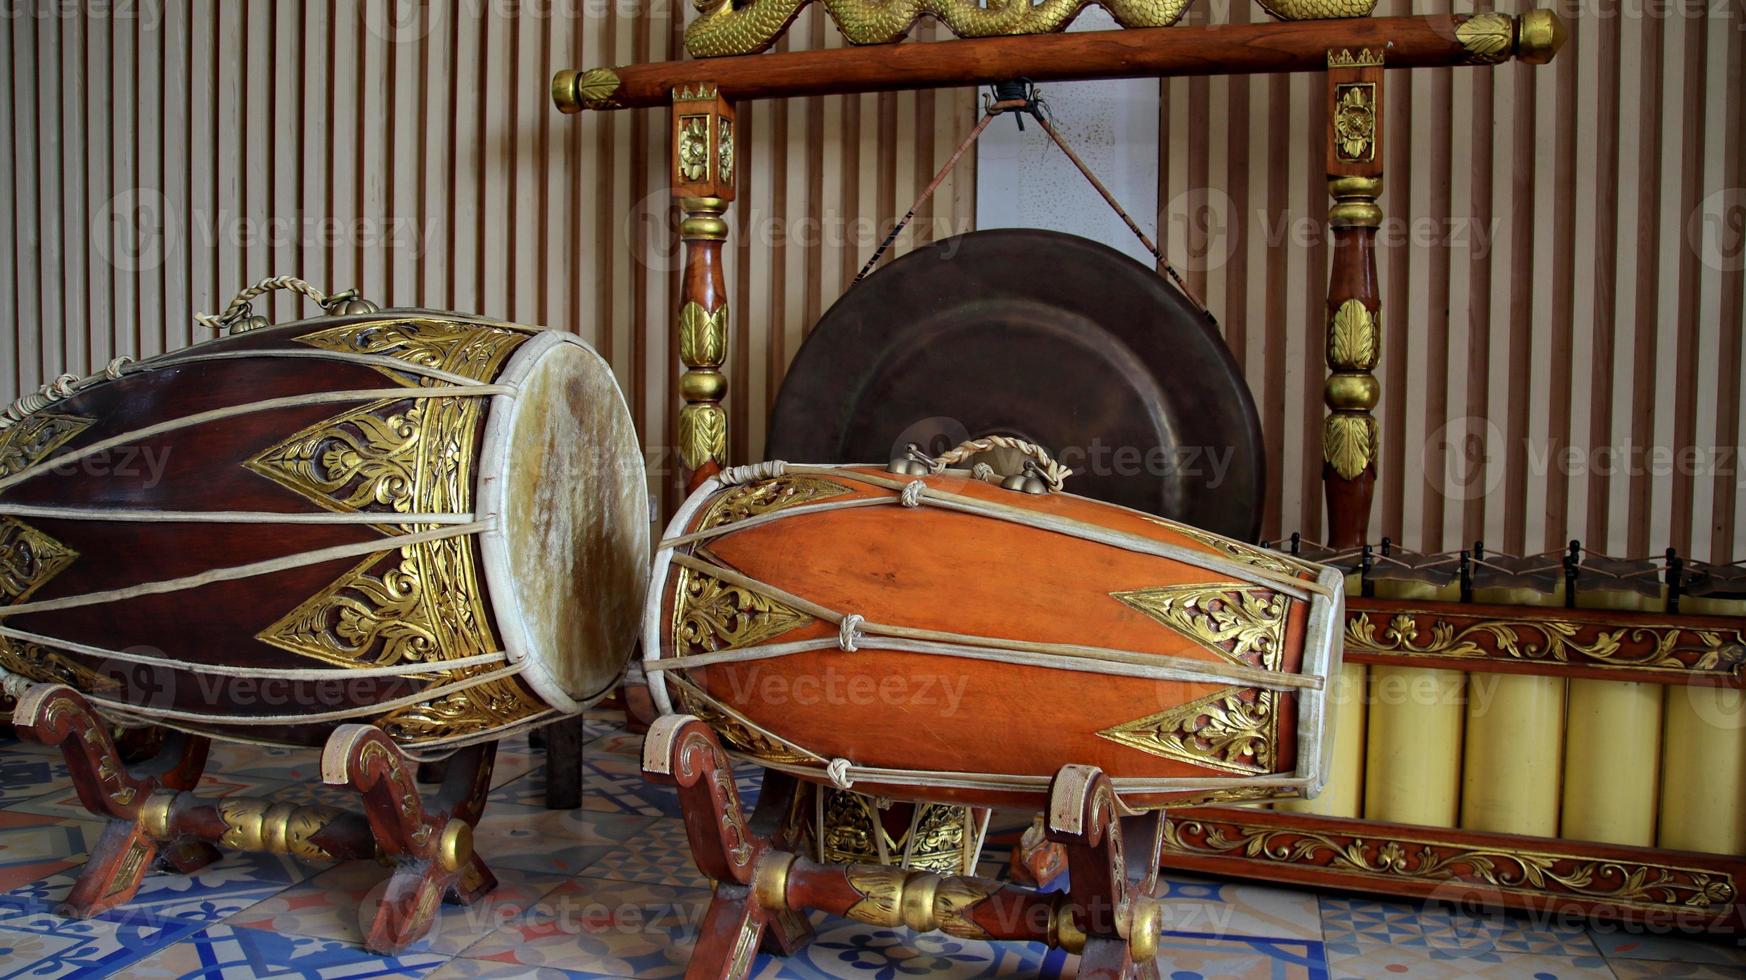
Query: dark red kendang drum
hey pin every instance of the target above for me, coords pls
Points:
(945, 635)
(431, 522)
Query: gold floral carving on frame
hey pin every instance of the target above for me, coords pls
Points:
(1634, 884)
(1231, 730)
(726, 27)
(692, 160)
(1487, 36)
(31, 439)
(724, 163)
(1646, 647)
(1355, 122)
(596, 88)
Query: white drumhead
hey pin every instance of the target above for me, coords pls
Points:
(562, 472)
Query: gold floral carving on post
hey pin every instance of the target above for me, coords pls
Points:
(1231, 730)
(724, 157)
(1657, 647)
(1634, 884)
(725, 27)
(1487, 36)
(30, 440)
(692, 159)
(702, 336)
(1355, 121)
(596, 88)
(767, 496)
(702, 434)
(1349, 436)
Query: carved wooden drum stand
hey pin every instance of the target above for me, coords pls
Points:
(394, 535)
(917, 632)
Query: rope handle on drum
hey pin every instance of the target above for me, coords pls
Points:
(1038, 463)
(239, 316)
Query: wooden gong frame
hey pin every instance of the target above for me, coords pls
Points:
(762, 889)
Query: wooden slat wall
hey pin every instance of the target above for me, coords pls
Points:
(166, 155)
(1606, 313)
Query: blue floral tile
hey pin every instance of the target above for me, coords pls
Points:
(601, 928)
(1617, 943)
(1204, 906)
(658, 855)
(1351, 923)
(338, 904)
(550, 841)
(27, 775)
(1379, 960)
(462, 968)
(39, 944)
(33, 846)
(223, 952)
(210, 894)
(843, 948)
(63, 800)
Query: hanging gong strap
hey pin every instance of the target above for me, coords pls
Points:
(1027, 104)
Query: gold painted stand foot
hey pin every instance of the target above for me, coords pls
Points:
(152, 815)
(762, 892)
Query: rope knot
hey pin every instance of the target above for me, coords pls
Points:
(731, 476)
(912, 493)
(838, 771)
(113, 371)
(848, 631)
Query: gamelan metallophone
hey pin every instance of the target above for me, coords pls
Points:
(1560, 733)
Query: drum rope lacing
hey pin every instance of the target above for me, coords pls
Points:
(853, 628)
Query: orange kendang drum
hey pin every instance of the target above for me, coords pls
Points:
(945, 634)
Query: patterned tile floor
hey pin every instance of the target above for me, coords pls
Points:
(609, 890)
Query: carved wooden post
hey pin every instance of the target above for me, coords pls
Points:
(1349, 436)
(703, 175)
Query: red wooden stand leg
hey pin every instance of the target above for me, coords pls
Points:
(683, 751)
(432, 848)
(56, 715)
(1108, 915)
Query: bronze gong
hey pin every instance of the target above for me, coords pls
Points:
(1050, 337)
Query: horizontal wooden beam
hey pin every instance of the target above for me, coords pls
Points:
(1432, 41)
